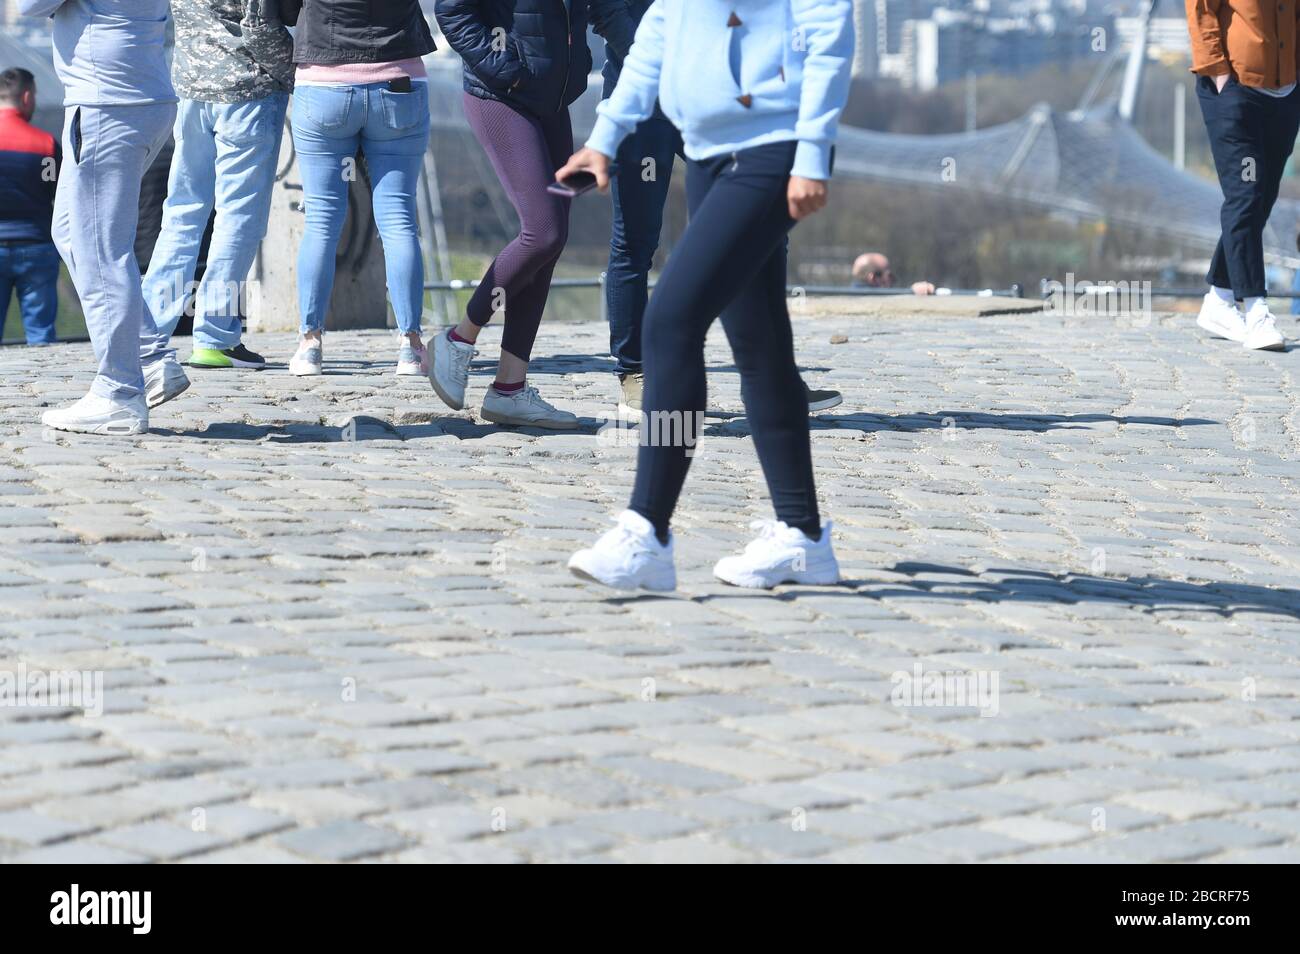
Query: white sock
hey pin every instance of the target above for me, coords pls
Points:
(1223, 294)
(1256, 308)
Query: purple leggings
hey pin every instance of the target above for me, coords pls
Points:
(525, 150)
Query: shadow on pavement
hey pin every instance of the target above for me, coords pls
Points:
(1000, 585)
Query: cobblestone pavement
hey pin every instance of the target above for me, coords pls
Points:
(334, 622)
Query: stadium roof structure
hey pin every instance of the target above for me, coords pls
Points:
(1088, 163)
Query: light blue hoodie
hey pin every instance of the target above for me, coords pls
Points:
(780, 73)
(108, 52)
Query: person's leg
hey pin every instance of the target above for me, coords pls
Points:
(518, 336)
(37, 284)
(519, 148)
(246, 148)
(639, 191)
(8, 266)
(757, 323)
(394, 140)
(185, 212)
(1235, 119)
(326, 133)
(1280, 130)
(116, 145)
(738, 220)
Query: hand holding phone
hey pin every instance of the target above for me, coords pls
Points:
(573, 185)
(586, 170)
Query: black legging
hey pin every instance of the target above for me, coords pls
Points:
(731, 260)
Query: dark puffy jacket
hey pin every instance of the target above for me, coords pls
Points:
(616, 21)
(528, 53)
(335, 32)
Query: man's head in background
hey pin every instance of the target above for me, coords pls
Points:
(872, 269)
(18, 91)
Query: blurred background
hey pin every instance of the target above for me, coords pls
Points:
(986, 144)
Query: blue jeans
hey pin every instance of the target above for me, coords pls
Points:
(640, 189)
(225, 156)
(329, 124)
(32, 270)
(106, 150)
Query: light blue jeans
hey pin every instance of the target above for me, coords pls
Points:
(226, 154)
(106, 150)
(329, 124)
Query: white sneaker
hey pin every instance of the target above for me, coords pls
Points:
(164, 379)
(1220, 318)
(449, 368)
(1261, 333)
(412, 361)
(524, 408)
(98, 415)
(781, 554)
(629, 557)
(306, 361)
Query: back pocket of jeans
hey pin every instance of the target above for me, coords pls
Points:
(406, 110)
(327, 106)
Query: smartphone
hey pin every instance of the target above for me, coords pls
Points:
(574, 186)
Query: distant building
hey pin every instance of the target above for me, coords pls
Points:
(950, 44)
(865, 58)
(1167, 36)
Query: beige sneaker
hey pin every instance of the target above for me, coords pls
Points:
(525, 408)
(629, 406)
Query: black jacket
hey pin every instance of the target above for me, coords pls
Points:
(529, 53)
(334, 32)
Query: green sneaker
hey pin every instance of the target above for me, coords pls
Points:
(236, 357)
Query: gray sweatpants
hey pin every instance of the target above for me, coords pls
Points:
(106, 150)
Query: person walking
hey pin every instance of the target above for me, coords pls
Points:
(119, 106)
(29, 166)
(1244, 55)
(525, 61)
(360, 84)
(232, 70)
(640, 177)
(757, 88)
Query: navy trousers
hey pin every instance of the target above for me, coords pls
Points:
(731, 260)
(1251, 137)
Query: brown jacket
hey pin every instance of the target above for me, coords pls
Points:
(1255, 39)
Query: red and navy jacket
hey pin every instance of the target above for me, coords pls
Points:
(29, 161)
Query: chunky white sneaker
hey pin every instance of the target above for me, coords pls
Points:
(412, 361)
(1222, 319)
(164, 379)
(449, 369)
(1261, 333)
(99, 415)
(781, 554)
(307, 360)
(525, 408)
(629, 557)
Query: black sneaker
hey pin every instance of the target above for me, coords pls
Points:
(822, 400)
(236, 357)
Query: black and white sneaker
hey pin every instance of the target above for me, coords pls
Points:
(822, 400)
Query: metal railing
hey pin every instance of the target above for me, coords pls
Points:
(1015, 291)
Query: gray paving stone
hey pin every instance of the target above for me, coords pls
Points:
(370, 650)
